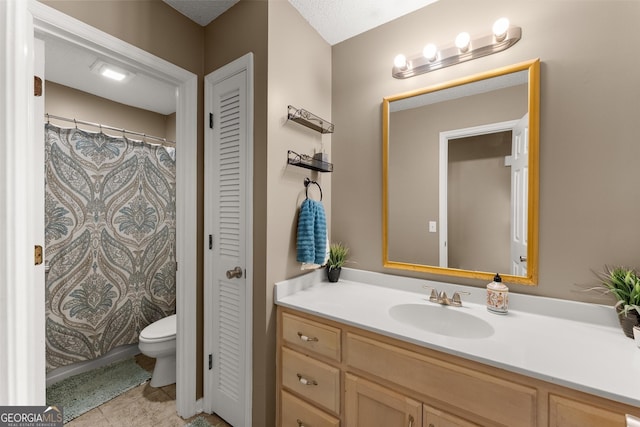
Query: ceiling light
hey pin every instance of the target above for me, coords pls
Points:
(111, 71)
(430, 52)
(113, 74)
(500, 28)
(462, 41)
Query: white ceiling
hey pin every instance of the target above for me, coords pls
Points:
(334, 20)
(201, 11)
(338, 20)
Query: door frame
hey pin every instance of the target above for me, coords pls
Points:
(443, 178)
(244, 63)
(44, 21)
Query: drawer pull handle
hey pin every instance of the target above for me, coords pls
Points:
(410, 420)
(300, 423)
(305, 381)
(306, 338)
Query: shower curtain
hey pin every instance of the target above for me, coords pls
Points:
(110, 241)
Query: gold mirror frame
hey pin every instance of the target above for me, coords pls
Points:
(533, 68)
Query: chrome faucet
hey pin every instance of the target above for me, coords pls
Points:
(443, 299)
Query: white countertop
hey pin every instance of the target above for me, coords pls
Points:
(572, 344)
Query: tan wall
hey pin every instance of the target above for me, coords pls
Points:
(300, 75)
(74, 104)
(588, 153)
(226, 39)
(415, 147)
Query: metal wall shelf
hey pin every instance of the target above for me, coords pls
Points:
(309, 120)
(308, 162)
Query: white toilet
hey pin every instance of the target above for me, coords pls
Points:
(158, 340)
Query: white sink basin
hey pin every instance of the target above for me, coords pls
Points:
(442, 320)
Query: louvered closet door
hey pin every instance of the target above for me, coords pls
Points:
(225, 212)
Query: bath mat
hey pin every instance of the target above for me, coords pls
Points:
(199, 422)
(83, 392)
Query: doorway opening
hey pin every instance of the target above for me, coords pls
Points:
(50, 24)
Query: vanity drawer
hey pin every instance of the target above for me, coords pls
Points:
(312, 379)
(297, 413)
(484, 395)
(313, 336)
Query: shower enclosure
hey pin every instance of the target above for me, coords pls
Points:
(110, 237)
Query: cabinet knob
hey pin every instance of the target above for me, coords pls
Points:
(411, 420)
(300, 423)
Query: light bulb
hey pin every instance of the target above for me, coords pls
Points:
(430, 52)
(113, 74)
(462, 41)
(400, 61)
(500, 28)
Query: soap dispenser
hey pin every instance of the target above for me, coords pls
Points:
(497, 296)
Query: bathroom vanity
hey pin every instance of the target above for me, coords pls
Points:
(348, 356)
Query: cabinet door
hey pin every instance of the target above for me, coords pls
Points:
(436, 418)
(564, 412)
(368, 404)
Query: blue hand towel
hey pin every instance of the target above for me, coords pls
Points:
(312, 233)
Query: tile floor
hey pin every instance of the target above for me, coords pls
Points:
(143, 406)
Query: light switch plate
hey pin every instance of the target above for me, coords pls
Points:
(432, 227)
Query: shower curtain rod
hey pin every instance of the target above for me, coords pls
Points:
(100, 126)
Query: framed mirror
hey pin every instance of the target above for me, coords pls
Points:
(460, 176)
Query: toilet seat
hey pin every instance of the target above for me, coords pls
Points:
(161, 330)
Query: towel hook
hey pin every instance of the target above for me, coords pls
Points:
(307, 181)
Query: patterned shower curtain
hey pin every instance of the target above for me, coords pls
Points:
(110, 241)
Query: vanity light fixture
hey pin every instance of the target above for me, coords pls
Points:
(503, 36)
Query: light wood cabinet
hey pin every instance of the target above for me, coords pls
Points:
(298, 413)
(369, 404)
(505, 402)
(331, 374)
(565, 412)
(311, 379)
(433, 417)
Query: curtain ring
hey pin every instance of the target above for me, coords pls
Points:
(100, 126)
(48, 119)
(75, 123)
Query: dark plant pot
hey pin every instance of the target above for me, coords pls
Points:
(629, 321)
(333, 274)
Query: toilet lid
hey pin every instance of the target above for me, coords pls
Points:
(163, 328)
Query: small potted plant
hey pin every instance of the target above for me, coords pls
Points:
(624, 284)
(337, 258)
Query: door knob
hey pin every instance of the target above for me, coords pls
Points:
(523, 258)
(235, 273)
